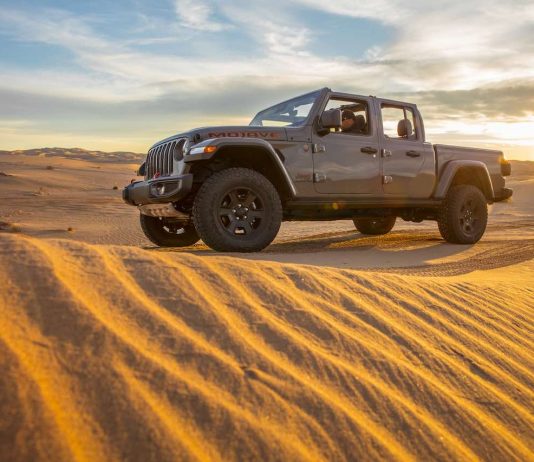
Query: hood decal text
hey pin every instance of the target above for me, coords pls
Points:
(238, 134)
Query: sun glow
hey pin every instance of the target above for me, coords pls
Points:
(516, 138)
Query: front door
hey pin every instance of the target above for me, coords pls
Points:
(347, 160)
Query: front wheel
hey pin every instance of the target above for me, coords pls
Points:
(463, 215)
(166, 233)
(374, 226)
(237, 210)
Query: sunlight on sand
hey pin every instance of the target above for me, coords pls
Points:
(223, 359)
(329, 345)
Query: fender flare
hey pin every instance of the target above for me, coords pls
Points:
(219, 143)
(453, 167)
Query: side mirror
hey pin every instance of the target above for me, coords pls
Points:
(331, 118)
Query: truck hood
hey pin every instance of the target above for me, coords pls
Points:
(228, 131)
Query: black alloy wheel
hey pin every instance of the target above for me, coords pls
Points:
(241, 212)
(470, 216)
(165, 232)
(237, 210)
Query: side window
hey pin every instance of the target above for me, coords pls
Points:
(398, 122)
(354, 116)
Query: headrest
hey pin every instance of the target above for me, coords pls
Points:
(347, 114)
(404, 128)
(359, 123)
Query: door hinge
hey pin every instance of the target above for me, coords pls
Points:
(386, 179)
(318, 148)
(319, 177)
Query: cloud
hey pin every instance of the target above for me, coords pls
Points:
(387, 11)
(51, 26)
(454, 45)
(198, 15)
(463, 46)
(510, 101)
(118, 72)
(467, 60)
(281, 45)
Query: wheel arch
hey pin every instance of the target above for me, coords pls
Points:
(255, 154)
(465, 172)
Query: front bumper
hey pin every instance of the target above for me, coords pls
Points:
(158, 191)
(504, 193)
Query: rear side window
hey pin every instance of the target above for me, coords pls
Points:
(354, 116)
(394, 122)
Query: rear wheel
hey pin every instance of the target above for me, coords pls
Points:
(237, 210)
(374, 226)
(166, 233)
(463, 216)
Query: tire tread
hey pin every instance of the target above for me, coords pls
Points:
(364, 226)
(155, 234)
(447, 215)
(206, 196)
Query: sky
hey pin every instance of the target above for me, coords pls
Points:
(118, 75)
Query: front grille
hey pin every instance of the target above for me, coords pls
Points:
(160, 159)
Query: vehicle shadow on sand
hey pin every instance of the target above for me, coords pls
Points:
(348, 249)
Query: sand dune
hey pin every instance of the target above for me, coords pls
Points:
(329, 345)
(78, 195)
(115, 352)
(80, 154)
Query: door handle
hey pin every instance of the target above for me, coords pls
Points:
(369, 150)
(413, 153)
(316, 148)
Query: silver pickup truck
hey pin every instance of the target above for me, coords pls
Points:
(320, 156)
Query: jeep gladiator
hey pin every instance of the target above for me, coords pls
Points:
(320, 156)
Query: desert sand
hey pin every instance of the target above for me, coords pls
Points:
(326, 346)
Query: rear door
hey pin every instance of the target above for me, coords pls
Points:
(348, 161)
(408, 162)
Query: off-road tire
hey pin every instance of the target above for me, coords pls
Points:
(374, 226)
(164, 233)
(219, 211)
(463, 216)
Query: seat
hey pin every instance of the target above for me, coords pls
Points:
(360, 125)
(404, 128)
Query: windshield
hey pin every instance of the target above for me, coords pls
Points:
(291, 113)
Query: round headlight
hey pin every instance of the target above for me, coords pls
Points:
(179, 150)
